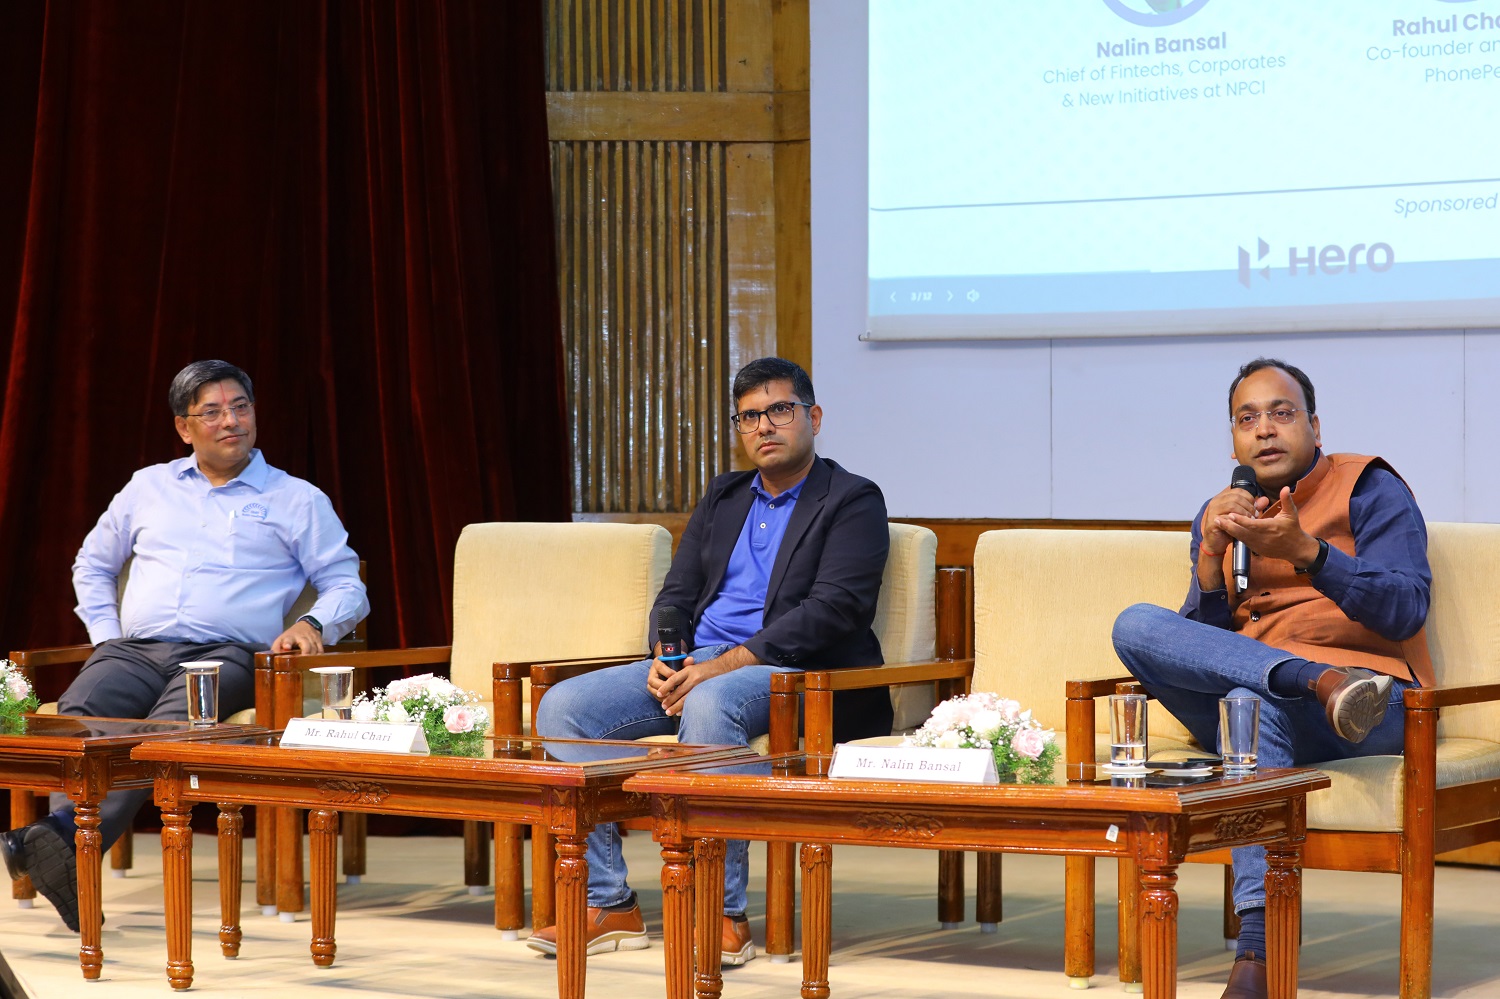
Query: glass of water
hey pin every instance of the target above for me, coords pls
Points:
(1127, 731)
(338, 691)
(202, 693)
(1239, 734)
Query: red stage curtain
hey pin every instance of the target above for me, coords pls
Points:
(351, 200)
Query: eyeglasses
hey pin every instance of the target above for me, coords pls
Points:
(214, 417)
(779, 413)
(1246, 422)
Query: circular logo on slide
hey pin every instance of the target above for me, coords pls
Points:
(1155, 13)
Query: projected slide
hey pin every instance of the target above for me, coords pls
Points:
(1115, 167)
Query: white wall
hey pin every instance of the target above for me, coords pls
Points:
(1111, 429)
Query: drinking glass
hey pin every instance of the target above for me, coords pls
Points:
(338, 691)
(1239, 733)
(202, 693)
(1127, 731)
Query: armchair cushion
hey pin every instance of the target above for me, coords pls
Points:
(1045, 603)
(533, 592)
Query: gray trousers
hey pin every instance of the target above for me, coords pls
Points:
(143, 678)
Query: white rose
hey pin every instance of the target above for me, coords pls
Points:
(950, 740)
(397, 714)
(364, 711)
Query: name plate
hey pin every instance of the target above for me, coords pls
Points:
(914, 763)
(366, 737)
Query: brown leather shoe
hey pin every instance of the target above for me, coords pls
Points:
(1354, 700)
(1247, 979)
(604, 931)
(735, 944)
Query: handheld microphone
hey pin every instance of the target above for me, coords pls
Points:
(1243, 478)
(669, 635)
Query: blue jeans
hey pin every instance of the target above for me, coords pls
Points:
(1188, 666)
(727, 710)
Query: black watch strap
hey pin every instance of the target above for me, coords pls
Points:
(317, 625)
(1317, 563)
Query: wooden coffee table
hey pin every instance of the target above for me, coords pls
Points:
(86, 758)
(694, 809)
(565, 786)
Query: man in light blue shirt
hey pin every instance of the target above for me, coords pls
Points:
(219, 546)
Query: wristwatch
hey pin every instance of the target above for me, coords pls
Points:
(1317, 563)
(317, 625)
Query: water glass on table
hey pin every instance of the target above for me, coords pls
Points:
(1239, 734)
(338, 691)
(1127, 731)
(202, 693)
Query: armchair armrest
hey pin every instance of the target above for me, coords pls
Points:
(1079, 736)
(278, 675)
(819, 685)
(1431, 698)
(1419, 745)
(545, 676)
(62, 655)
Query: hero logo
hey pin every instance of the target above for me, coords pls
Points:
(1330, 259)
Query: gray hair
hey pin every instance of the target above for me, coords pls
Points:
(189, 380)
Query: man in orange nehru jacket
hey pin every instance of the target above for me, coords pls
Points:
(1328, 633)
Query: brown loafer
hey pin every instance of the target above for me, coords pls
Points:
(1354, 700)
(1247, 979)
(735, 944)
(604, 931)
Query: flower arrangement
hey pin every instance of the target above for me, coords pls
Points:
(1024, 752)
(452, 720)
(16, 697)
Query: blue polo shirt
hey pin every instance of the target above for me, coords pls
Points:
(738, 609)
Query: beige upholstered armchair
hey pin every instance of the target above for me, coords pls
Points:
(522, 593)
(1389, 814)
(906, 625)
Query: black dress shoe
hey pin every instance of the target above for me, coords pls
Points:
(1247, 979)
(13, 851)
(48, 858)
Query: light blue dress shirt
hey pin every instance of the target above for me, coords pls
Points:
(739, 608)
(216, 563)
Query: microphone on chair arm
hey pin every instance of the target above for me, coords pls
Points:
(1243, 478)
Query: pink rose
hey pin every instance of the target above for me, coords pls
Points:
(17, 687)
(459, 718)
(1029, 742)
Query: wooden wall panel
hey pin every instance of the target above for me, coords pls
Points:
(679, 152)
(644, 322)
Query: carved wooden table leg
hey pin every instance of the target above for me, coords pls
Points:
(231, 865)
(1159, 929)
(510, 884)
(572, 913)
(817, 918)
(708, 916)
(177, 891)
(1078, 920)
(90, 908)
(1283, 918)
(322, 836)
(677, 917)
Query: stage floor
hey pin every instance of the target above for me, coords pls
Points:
(411, 929)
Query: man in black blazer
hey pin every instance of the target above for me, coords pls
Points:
(778, 570)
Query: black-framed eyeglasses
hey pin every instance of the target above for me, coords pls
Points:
(779, 413)
(215, 416)
(1245, 422)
